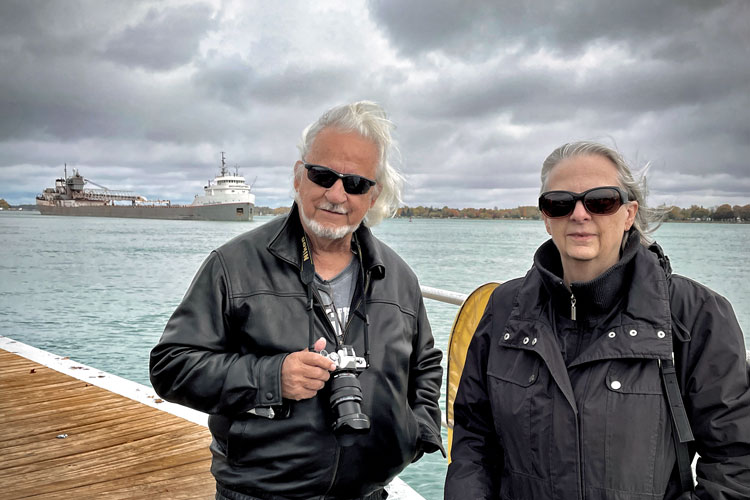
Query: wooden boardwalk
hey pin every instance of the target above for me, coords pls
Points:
(63, 438)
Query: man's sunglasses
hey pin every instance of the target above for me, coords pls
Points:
(325, 177)
(604, 200)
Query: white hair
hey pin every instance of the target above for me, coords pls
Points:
(369, 120)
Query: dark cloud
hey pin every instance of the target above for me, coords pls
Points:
(144, 95)
(162, 40)
(42, 31)
(567, 27)
(240, 84)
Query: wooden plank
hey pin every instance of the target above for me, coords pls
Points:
(94, 470)
(50, 397)
(159, 484)
(71, 423)
(85, 437)
(116, 448)
(79, 402)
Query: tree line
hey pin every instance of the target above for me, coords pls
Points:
(525, 212)
(723, 212)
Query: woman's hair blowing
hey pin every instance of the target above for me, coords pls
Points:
(647, 220)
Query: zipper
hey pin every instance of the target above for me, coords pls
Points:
(335, 469)
(349, 321)
(572, 307)
(339, 342)
(352, 311)
(581, 492)
(318, 306)
(579, 443)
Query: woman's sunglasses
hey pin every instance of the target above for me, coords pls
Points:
(325, 177)
(604, 200)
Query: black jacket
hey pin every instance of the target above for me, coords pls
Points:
(222, 350)
(528, 425)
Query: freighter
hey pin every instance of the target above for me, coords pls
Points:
(226, 198)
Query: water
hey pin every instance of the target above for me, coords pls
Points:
(100, 290)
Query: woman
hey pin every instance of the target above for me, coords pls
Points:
(562, 393)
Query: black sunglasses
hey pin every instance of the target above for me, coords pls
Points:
(325, 177)
(603, 200)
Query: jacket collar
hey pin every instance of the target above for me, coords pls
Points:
(596, 297)
(641, 323)
(644, 287)
(639, 328)
(286, 244)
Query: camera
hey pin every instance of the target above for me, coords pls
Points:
(346, 392)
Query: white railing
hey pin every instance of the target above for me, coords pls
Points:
(443, 295)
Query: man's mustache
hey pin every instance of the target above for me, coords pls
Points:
(332, 207)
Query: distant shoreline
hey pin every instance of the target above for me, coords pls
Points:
(518, 213)
(539, 219)
(402, 217)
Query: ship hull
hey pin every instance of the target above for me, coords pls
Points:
(217, 212)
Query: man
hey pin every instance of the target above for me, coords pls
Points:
(242, 344)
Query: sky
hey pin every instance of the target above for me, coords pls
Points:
(144, 96)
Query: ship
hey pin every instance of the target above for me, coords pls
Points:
(227, 198)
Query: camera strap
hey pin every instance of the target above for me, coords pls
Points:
(307, 275)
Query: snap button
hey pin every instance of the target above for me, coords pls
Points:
(661, 334)
(611, 335)
(506, 336)
(533, 342)
(269, 395)
(633, 333)
(526, 340)
(615, 384)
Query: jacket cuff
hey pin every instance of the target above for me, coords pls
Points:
(430, 443)
(269, 381)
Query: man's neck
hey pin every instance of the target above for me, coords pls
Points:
(330, 256)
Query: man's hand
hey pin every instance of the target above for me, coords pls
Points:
(304, 373)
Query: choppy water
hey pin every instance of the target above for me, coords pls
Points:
(100, 290)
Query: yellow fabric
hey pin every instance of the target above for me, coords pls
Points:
(462, 332)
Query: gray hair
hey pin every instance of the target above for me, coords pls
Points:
(647, 220)
(369, 120)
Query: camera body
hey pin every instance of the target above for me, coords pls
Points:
(346, 359)
(346, 394)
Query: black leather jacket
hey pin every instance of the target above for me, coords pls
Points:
(222, 350)
(530, 425)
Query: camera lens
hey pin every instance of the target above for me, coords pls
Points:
(346, 396)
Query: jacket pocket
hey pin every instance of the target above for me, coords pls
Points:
(637, 428)
(234, 439)
(512, 385)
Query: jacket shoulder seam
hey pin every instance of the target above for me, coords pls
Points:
(275, 293)
(225, 275)
(393, 303)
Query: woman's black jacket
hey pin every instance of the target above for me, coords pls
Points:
(530, 426)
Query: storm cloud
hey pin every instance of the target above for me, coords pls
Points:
(144, 95)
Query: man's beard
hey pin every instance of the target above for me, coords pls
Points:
(321, 231)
